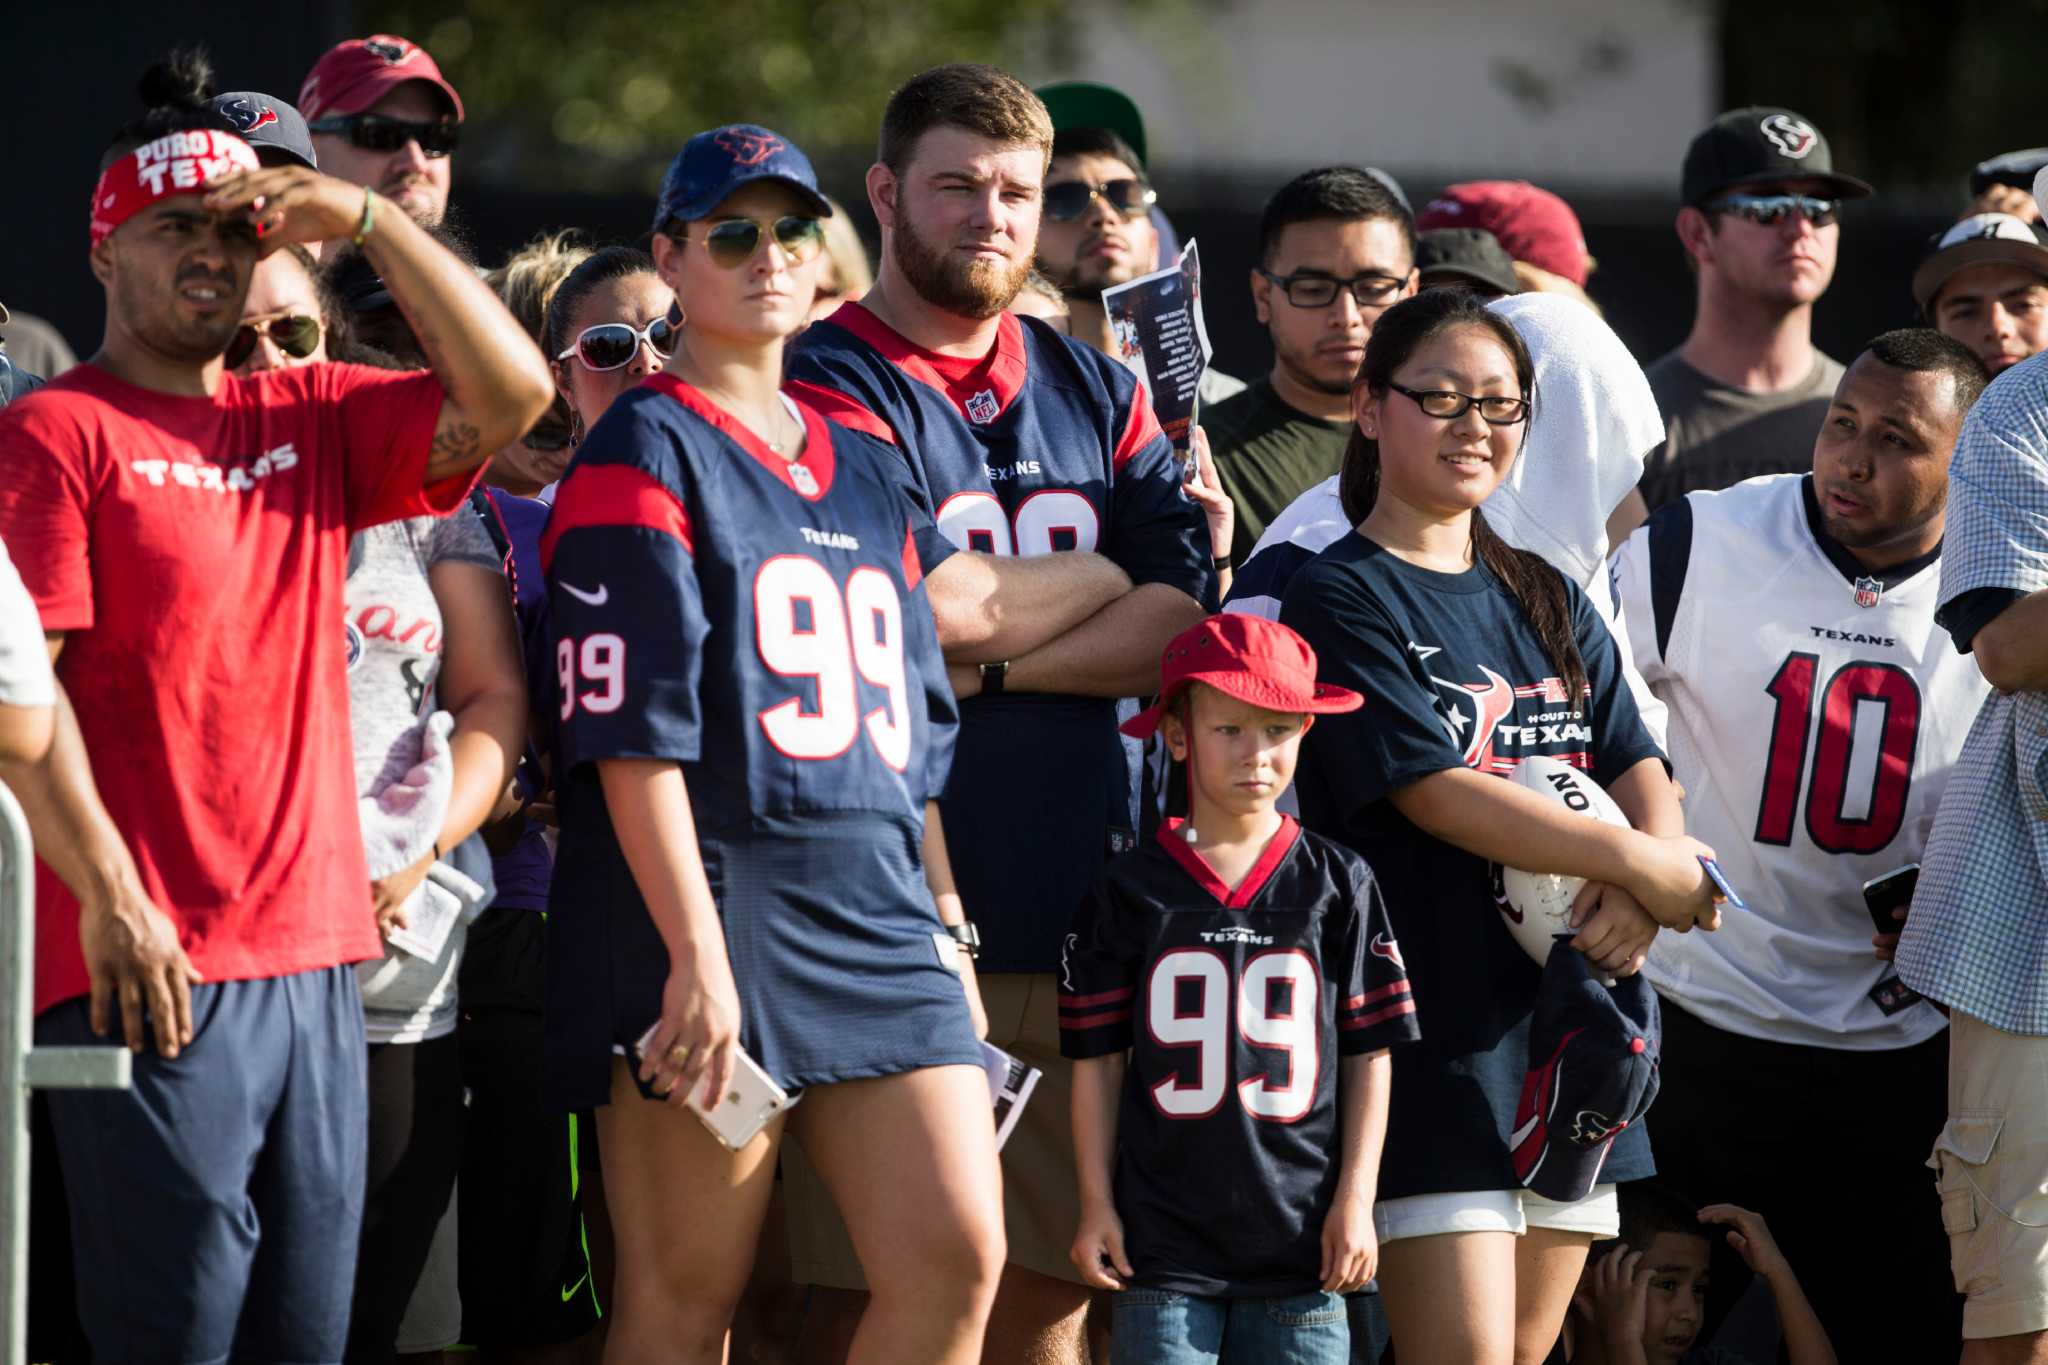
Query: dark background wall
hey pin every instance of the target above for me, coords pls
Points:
(72, 68)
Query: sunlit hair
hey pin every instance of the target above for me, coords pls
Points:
(852, 276)
(1535, 584)
(967, 95)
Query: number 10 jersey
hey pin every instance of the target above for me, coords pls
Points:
(1816, 711)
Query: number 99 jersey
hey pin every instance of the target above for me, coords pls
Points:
(1236, 1007)
(760, 622)
(1816, 712)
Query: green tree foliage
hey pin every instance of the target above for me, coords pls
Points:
(585, 91)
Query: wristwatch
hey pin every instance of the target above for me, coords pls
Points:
(992, 676)
(967, 936)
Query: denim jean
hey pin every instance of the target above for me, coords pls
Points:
(1157, 1327)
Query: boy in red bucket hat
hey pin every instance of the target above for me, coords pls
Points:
(1229, 992)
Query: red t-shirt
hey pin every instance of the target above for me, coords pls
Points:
(195, 549)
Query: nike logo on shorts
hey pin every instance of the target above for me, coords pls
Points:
(595, 599)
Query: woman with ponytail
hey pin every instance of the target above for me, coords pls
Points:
(1473, 655)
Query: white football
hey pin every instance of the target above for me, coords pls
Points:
(1537, 906)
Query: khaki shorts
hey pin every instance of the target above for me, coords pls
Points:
(1041, 1202)
(1992, 1172)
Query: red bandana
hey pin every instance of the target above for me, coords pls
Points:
(176, 163)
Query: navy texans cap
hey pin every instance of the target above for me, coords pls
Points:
(268, 124)
(713, 164)
(1593, 1055)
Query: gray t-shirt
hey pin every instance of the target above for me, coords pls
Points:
(1715, 436)
(394, 658)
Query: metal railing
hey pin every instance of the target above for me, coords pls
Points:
(25, 1067)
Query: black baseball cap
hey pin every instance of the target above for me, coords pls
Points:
(1469, 253)
(1761, 145)
(715, 163)
(2016, 169)
(1593, 1059)
(271, 126)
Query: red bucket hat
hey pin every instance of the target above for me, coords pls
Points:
(1248, 657)
(352, 76)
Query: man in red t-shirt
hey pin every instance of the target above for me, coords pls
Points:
(184, 534)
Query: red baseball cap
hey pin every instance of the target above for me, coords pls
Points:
(1248, 657)
(1532, 223)
(352, 76)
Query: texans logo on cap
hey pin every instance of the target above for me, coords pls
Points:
(749, 149)
(1793, 137)
(392, 52)
(248, 117)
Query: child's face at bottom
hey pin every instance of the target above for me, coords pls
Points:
(1244, 755)
(1677, 1298)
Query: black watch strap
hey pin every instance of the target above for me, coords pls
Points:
(992, 678)
(967, 936)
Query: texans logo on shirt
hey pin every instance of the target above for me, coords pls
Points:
(352, 652)
(1384, 946)
(1480, 716)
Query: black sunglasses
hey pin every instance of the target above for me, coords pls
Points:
(295, 334)
(377, 133)
(1320, 291)
(1769, 210)
(1498, 410)
(732, 243)
(1070, 199)
(610, 345)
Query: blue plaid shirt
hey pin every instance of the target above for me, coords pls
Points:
(1977, 938)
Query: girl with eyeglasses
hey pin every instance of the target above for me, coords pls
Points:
(753, 719)
(1472, 656)
(609, 326)
(430, 629)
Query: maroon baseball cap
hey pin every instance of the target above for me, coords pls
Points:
(352, 76)
(1532, 223)
(1247, 657)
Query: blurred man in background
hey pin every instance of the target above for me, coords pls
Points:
(383, 115)
(1984, 282)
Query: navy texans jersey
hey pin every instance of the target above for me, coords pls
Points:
(1044, 444)
(1235, 1007)
(759, 621)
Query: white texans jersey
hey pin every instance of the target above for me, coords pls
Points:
(1816, 711)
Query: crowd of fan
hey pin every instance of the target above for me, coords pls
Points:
(496, 586)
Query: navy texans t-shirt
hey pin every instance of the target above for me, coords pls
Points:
(1453, 676)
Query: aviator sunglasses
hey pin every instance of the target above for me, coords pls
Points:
(1769, 210)
(732, 243)
(296, 335)
(609, 345)
(1069, 199)
(376, 133)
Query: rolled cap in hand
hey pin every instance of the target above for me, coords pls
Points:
(1593, 1059)
(352, 76)
(189, 162)
(1761, 145)
(1252, 659)
(715, 163)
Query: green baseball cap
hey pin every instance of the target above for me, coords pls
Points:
(1089, 104)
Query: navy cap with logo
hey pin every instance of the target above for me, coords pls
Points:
(2016, 169)
(274, 128)
(1593, 1053)
(713, 164)
(1761, 145)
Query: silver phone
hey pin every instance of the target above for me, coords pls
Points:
(750, 1100)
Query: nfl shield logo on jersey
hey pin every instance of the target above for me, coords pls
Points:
(1868, 591)
(982, 408)
(801, 477)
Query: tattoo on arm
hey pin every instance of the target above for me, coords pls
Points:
(455, 446)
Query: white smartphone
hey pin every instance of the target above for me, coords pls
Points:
(750, 1100)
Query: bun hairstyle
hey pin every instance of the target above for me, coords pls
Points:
(1534, 583)
(176, 91)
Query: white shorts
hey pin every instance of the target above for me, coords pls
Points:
(1515, 1211)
